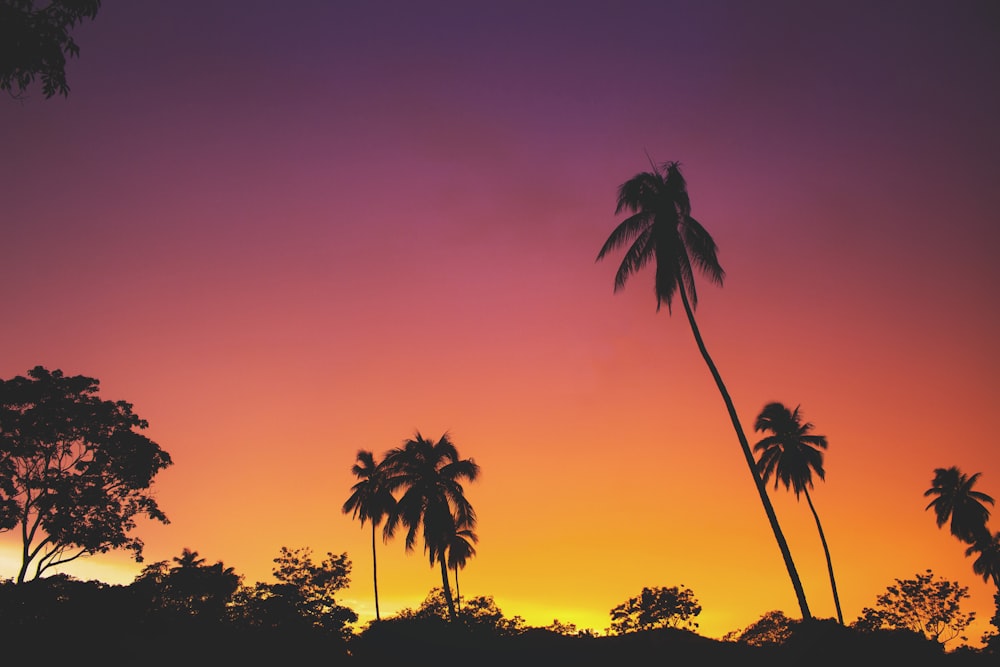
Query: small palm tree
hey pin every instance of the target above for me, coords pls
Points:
(957, 501)
(662, 230)
(429, 474)
(460, 550)
(370, 500)
(987, 563)
(791, 454)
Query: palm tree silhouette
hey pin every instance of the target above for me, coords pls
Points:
(957, 501)
(987, 564)
(429, 474)
(460, 550)
(371, 501)
(661, 229)
(791, 454)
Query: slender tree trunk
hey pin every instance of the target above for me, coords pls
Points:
(447, 589)
(458, 592)
(829, 562)
(771, 516)
(375, 573)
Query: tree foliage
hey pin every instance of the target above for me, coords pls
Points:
(74, 469)
(303, 597)
(656, 607)
(924, 604)
(477, 613)
(772, 629)
(189, 589)
(956, 501)
(35, 41)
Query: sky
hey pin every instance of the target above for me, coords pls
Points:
(288, 232)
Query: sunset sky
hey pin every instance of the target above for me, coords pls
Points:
(288, 231)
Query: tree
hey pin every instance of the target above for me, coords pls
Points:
(480, 613)
(923, 604)
(189, 589)
(656, 607)
(661, 229)
(371, 501)
(36, 42)
(956, 500)
(771, 629)
(987, 563)
(74, 470)
(460, 550)
(304, 596)
(791, 454)
(429, 474)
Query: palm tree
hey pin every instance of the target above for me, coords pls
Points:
(957, 501)
(987, 564)
(429, 475)
(661, 229)
(371, 501)
(791, 454)
(460, 550)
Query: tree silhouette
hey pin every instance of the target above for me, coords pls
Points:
(791, 454)
(987, 563)
(371, 501)
(958, 502)
(75, 471)
(429, 475)
(37, 41)
(661, 229)
(460, 550)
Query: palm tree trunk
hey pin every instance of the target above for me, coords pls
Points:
(447, 589)
(829, 562)
(458, 592)
(771, 516)
(375, 573)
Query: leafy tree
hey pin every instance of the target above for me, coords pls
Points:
(429, 474)
(189, 589)
(370, 500)
(35, 41)
(956, 500)
(791, 454)
(74, 471)
(771, 629)
(304, 597)
(480, 612)
(923, 604)
(657, 607)
(662, 230)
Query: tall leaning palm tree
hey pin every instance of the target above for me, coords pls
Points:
(429, 474)
(956, 500)
(370, 500)
(791, 454)
(662, 230)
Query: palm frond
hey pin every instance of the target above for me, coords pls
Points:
(625, 232)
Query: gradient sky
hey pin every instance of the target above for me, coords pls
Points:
(285, 232)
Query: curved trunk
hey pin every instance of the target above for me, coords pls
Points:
(829, 562)
(447, 588)
(771, 516)
(375, 573)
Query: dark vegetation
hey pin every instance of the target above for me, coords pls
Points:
(75, 474)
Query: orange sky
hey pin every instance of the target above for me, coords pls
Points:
(285, 236)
